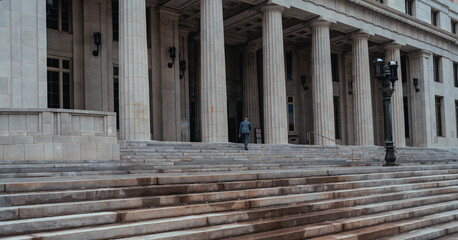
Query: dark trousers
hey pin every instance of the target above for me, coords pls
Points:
(245, 137)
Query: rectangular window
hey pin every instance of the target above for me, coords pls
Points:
(439, 116)
(409, 7)
(335, 67)
(434, 15)
(115, 19)
(453, 26)
(456, 116)
(289, 65)
(59, 83)
(291, 113)
(406, 117)
(455, 74)
(59, 15)
(380, 1)
(116, 93)
(337, 116)
(404, 68)
(436, 69)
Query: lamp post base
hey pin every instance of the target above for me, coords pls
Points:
(390, 156)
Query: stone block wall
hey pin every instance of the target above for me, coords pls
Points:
(57, 134)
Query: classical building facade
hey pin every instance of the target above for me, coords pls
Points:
(77, 75)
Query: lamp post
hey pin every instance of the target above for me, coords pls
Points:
(387, 75)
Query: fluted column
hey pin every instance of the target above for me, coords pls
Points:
(364, 126)
(133, 64)
(275, 117)
(213, 74)
(250, 89)
(392, 53)
(323, 107)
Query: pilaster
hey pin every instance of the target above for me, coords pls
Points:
(250, 89)
(364, 126)
(275, 116)
(323, 108)
(213, 75)
(392, 53)
(133, 64)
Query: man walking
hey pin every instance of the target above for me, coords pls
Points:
(244, 131)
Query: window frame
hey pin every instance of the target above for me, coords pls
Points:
(437, 66)
(60, 17)
(114, 13)
(440, 116)
(294, 113)
(455, 74)
(116, 103)
(434, 17)
(409, 7)
(61, 70)
(453, 26)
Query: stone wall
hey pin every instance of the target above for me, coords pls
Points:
(56, 134)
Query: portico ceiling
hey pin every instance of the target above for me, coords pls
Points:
(243, 23)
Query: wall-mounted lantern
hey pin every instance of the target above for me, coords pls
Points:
(415, 83)
(304, 82)
(173, 55)
(97, 42)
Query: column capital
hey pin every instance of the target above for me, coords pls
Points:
(320, 23)
(420, 52)
(360, 35)
(272, 8)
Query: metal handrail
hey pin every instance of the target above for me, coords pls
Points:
(337, 144)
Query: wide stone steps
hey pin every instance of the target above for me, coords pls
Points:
(222, 205)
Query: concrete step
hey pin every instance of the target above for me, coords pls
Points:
(218, 214)
(333, 183)
(434, 232)
(264, 229)
(449, 237)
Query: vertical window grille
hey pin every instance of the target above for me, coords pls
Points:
(439, 117)
(456, 116)
(455, 74)
(436, 69)
(116, 93)
(434, 17)
(59, 83)
(409, 7)
(406, 117)
(335, 67)
(115, 19)
(337, 116)
(291, 114)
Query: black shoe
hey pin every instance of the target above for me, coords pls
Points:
(246, 148)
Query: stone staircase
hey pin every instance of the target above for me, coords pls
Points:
(174, 157)
(315, 202)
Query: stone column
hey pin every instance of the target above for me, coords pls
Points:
(250, 89)
(23, 50)
(133, 64)
(275, 116)
(364, 125)
(213, 75)
(392, 53)
(323, 107)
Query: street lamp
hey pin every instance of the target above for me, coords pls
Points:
(387, 73)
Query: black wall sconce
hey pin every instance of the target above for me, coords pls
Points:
(415, 83)
(98, 42)
(304, 82)
(182, 68)
(173, 55)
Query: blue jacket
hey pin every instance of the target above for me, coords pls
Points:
(245, 127)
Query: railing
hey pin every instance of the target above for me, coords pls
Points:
(311, 133)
